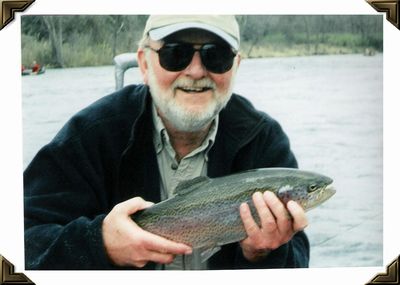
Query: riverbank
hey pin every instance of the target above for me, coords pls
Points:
(83, 53)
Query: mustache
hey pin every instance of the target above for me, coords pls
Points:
(193, 83)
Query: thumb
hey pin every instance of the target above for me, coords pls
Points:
(133, 205)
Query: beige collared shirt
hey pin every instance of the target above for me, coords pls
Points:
(173, 172)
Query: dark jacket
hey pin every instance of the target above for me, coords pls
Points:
(105, 155)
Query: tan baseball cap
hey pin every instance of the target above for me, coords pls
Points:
(224, 26)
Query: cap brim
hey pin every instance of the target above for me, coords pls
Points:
(160, 33)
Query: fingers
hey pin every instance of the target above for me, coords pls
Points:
(256, 245)
(277, 224)
(148, 247)
(289, 219)
(300, 221)
(162, 245)
(280, 215)
(162, 258)
(249, 224)
(128, 244)
(267, 217)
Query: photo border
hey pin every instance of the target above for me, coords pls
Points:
(378, 6)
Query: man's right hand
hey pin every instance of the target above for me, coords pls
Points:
(127, 244)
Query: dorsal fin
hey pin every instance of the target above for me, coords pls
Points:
(187, 186)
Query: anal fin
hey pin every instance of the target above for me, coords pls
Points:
(206, 252)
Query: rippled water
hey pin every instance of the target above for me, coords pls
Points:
(330, 106)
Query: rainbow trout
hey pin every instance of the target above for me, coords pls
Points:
(204, 213)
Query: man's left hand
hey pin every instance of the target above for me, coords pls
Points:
(278, 225)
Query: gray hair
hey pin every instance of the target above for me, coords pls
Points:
(144, 41)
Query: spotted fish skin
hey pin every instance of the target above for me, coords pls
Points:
(204, 213)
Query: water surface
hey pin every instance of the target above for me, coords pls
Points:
(330, 107)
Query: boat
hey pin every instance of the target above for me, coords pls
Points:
(122, 63)
(28, 71)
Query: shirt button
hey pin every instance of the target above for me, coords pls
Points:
(174, 166)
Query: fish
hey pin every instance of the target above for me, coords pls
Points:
(204, 212)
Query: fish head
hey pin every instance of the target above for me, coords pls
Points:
(307, 188)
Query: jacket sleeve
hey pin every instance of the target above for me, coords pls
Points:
(271, 148)
(64, 208)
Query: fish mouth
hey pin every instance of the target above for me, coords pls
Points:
(329, 189)
(327, 192)
(320, 196)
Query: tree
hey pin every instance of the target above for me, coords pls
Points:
(117, 24)
(255, 28)
(55, 30)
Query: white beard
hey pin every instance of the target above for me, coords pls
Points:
(178, 115)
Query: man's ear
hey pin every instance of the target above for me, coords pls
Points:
(143, 65)
(239, 58)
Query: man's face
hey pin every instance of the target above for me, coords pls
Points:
(191, 98)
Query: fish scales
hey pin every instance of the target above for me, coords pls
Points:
(204, 213)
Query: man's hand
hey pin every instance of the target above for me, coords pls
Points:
(278, 225)
(127, 244)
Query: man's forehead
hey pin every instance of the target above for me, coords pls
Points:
(194, 36)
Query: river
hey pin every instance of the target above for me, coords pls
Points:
(330, 107)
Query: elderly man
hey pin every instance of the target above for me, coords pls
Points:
(131, 149)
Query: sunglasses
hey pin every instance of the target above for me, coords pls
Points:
(217, 58)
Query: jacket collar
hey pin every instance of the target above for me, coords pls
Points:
(238, 124)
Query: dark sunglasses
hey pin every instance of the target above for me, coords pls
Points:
(217, 58)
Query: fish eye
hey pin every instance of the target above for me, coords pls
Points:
(312, 187)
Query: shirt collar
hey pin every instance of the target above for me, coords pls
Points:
(158, 130)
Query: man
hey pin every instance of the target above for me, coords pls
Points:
(131, 149)
(35, 67)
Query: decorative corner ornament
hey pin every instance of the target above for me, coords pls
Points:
(8, 276)
(9, 7)
(390, 277)
(390, 7)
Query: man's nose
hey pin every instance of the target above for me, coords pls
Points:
(196, 69)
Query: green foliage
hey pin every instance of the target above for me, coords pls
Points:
(33, 49)
(95, 40)
(85, 54)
